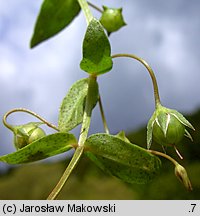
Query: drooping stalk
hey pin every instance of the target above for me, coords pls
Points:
(164, 155)
(151, 73)
(29, 112)
(82, 138)
(179, 170)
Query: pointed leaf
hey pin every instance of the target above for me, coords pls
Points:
(43, 148)
(53, 17)
(96, 50)
(72, 107)
(124, 160)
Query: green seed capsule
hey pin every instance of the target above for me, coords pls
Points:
(174, 133)
(36, 134)
(26, 134)
(112, 19)
(167, 127)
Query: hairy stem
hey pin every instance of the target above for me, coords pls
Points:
(29, 112)
(151, 73)
(86, 10)
(82, 138)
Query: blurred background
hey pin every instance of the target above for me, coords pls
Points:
(164, 33)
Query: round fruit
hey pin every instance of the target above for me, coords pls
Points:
(174, 134)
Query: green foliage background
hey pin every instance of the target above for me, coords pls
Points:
(35, 181)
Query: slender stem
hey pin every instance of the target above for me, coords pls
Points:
(91, 95)
(76, 157)
(178, 153)
(164, 155)
(86, 10)
(95, 7)
(82, 138)
(29, 112)
(103, 116)
(180, 171)
(151, 73)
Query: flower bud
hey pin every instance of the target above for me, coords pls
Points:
(26, 134)
(112, 19)
(181, 174)
(167, 127)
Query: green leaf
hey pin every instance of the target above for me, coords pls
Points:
(93, 94)
(96, 50)
(42, 148)
(124, 160)
(53, 17)
(72, 107)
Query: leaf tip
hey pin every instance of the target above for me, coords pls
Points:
(33, 43)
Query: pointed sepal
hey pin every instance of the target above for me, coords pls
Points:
(150, 130)
(121, 135)
(182, 119)
(167, 127)
(188, 135)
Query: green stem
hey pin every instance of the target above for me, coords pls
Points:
(180, 171)
(164, 155)
(103, 116)
(90, 101)
(86, 10)
(95, 7)
(74, 161)
(92, 88)
(29, 112)
(151, 73)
